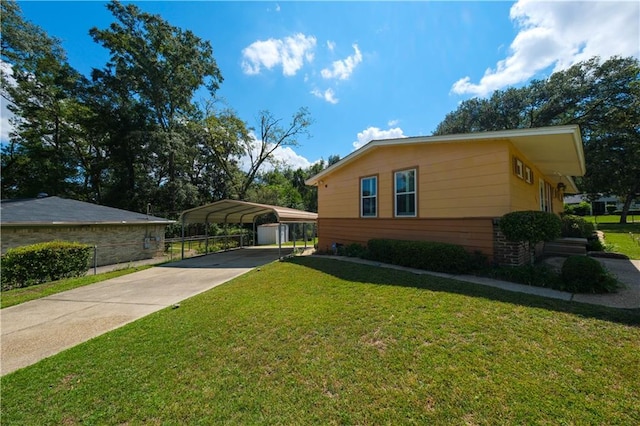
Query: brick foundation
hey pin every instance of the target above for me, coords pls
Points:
(506, 252)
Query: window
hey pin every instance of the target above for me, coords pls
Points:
(545, 196)
(369, 196)
(405, 193)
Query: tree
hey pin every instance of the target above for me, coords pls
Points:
(601, 97)
(272, 136)
(47, 151)
(156, 69)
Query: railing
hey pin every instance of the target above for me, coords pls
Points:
(196, 245)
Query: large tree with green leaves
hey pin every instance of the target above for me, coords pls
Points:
(48, 150)
(155, 69)
(603, 97)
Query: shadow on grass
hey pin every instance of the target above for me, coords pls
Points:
(356, 272)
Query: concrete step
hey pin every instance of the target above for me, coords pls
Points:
(566, 247)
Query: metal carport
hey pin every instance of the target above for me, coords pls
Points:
(241, 212)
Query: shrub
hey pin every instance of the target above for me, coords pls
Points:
(428, 255)
(539, 275)
(582, 274)
(582, 209)
(611, 208)
(43, 262)
(576, 227)
(353, 250)
(530, 226)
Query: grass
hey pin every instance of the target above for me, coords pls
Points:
(318, 341)
(25, 294)
(619, 238)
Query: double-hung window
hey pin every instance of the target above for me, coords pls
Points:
(369, 196)
(405, 193)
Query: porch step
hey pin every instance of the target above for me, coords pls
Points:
(566, 247)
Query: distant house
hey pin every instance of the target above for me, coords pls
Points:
(120, 235)
(449, 188)
(602, 204)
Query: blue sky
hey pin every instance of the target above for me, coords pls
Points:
(365, 70)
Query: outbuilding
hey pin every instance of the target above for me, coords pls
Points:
(117, 235)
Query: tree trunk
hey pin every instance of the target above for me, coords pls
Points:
(627, 204)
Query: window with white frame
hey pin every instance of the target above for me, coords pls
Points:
(405, 193)
(545, 195)
(369, 196)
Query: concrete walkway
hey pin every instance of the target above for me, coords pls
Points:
(40, 328)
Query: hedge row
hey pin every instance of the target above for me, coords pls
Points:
(428, 255)
(43, 262)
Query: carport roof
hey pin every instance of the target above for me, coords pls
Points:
(233, 211)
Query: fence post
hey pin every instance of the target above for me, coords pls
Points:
(95, 260)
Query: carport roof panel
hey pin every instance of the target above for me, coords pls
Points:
(233, 211)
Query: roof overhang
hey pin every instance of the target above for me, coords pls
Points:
(233, 211)
(556, 151)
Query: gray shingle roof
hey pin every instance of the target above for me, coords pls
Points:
(56, 210)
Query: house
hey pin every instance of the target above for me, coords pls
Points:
(118, 235)
(604, 204)
(450, 188)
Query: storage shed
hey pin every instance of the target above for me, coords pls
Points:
(273, 233)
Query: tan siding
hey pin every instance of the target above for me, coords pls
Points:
(471, 233)
(525, 196)
(454, 180)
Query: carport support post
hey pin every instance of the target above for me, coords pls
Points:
(206, 237)
(95, 260)
(255, 236)
(279, 240)
(182, 251)
(304, 234)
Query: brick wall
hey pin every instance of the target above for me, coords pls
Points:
(115, 243)
(507, 252)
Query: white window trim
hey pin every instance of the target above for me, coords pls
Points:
(362, 197)
(414, 192)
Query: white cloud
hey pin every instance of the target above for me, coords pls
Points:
(342, 69)
(392, 123)
(277, 7)
(560, 34)
(290, 52)
(328, 95)
(374, 133)
(5, 114)
(281, 156)
(331, 45)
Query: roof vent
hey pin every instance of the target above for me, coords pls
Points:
(42, 195)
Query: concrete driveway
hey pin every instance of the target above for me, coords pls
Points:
(38, 329)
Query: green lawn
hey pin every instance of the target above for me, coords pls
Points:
(317, 341)
(21, 295)
(620, 238)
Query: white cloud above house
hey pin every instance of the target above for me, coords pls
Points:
(374, 133)
(559, 34)
(290, 52)
(343, 68)
(282, 156)
(328, 95)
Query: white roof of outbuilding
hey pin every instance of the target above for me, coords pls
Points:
(233, 211)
